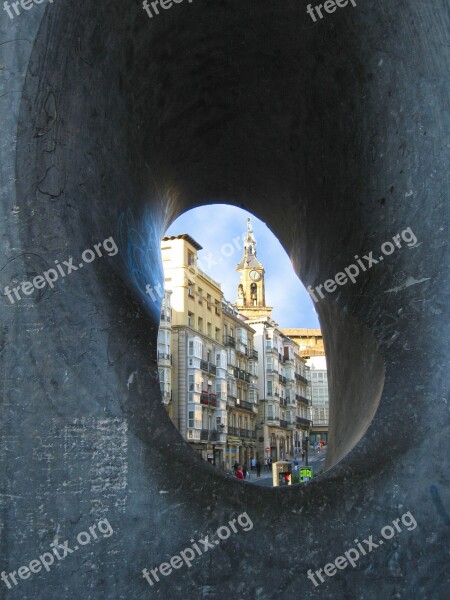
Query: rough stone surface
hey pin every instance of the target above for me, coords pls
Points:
(336, 135)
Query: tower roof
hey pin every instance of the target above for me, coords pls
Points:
(249, 259)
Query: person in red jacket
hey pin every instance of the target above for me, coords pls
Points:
(239, 473)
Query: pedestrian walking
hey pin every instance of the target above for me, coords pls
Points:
(235, 466)
(258, 469)
(253, 464)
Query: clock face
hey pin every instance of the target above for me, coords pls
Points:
(255, 276)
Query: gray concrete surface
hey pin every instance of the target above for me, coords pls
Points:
(336, 135)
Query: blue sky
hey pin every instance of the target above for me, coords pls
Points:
(215, 227)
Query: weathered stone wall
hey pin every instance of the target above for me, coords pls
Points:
(336, 135)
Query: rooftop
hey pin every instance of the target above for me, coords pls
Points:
(302, 332)
(186, 237)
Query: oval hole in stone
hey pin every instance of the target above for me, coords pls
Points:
(228, 405)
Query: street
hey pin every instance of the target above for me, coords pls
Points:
(317, 461)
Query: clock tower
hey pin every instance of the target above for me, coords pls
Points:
(251, 298)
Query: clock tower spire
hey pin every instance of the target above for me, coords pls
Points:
(251, 298)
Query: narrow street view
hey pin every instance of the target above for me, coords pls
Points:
(248, 394)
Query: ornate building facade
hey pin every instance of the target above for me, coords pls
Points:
(234, 385)
(283, 388)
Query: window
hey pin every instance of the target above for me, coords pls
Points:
(231, 357)
(242, 335)
(191, 418)
(270, 411)
(208, 329)
(200, 296)
(200, 324)
(195, 348)
(270, 388)
(217, 308)
(191, 383)
(190, 319)
(217, 333)
(190, 289)
(208, 301)
(191, 258)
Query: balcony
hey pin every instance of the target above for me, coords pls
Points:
(246, 433)
(283, 401)
(229, 341)
(166, 318)
(208, 367)
(299, 377)
(241, 347)
(240, 374)
(281, 379)
(252, 354)
(245, 405)
(209, 436)
(208, 398)
(283, 423)
(233, 431)
(305, 422)
(302, 399)
(231, 400)
(272, 418)
(164, 356)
